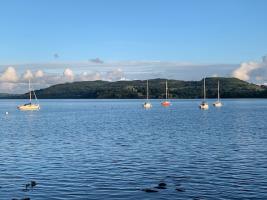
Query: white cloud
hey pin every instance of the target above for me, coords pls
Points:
(68, 74)
(252, 71)
(27, 75)
(39, 74)
(9, 75)
(115, 75)
(245, 69)
(85, 76)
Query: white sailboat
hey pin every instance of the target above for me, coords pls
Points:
(166, 103)
(218, 103)
(204, 105)
(30, 106)
(147, 104)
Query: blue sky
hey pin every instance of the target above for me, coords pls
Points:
(135, 39)
(228, 31)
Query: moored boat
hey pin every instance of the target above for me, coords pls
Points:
(147, 104)
(166, 102)
(218, 103)
(204, 105)
(30, 106)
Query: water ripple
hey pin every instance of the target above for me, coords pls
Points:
(112, 149)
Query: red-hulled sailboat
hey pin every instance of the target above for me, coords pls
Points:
(166, 103)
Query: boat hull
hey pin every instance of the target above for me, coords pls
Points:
(217, 104)
(147, 105)
(204, 106)
(30, 107)
(166, 103)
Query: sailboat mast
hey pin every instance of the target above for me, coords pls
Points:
(218, 90)
(30, 91)
(147, 89)
(204, 89)
(166, 90)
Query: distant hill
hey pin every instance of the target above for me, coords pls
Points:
(230, 88)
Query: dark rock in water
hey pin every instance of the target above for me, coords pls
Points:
(33, 183)
(26, 198)
(162, 184)
(180, 189)
(149, 190)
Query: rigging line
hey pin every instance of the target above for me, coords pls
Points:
(35, 96)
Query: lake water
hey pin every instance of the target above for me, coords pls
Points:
(112, 149)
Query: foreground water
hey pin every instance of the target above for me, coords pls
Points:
(112, 149)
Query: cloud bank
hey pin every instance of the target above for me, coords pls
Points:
(252, 71)
(14, 78)
(13, 82)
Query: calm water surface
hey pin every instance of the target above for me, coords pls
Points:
(111, 149)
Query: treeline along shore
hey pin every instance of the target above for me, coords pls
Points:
(136, 89)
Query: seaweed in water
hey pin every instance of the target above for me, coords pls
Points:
(149, 190)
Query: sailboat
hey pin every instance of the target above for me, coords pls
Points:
(147, 104)
(30, 106)
(218, 103)
(204, 105)
(166, 103)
